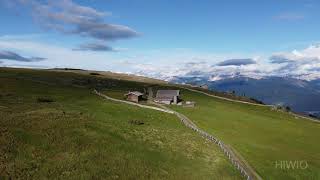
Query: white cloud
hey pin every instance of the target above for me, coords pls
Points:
(70, 18)
(302, 64)
(236, 62)
(167, 63)
(56, 56)
(9, 55)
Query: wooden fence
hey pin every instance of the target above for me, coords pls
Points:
(244, 170)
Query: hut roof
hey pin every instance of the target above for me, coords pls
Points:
(167, 94)
(137, 93)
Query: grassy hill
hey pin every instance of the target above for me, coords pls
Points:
(262, 136)
(52, 126)
(111, 75)
(84, 136)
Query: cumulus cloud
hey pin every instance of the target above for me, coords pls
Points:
(307, 55)
(8, 55)
(208, 71)
(95, 46)
(279, 59)
(70, 18)
(167, 64)
(301, 64)
(236, 62)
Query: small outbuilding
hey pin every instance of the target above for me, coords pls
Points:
(167, 96)
(134, 96)
(189, 104)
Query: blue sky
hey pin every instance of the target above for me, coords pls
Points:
(153, 33)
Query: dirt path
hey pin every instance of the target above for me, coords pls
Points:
(237, 161)
(131, 103)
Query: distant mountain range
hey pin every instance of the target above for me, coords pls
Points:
(300, 95)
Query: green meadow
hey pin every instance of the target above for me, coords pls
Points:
(53, 127)
(268, 140)
(80, 135)
(265, 138)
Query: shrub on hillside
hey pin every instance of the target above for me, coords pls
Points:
(136, 122)
(282, 108)
(256, 101)
(45, 100)
(95, 74)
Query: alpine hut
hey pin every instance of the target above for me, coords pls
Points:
(167, 96)
(134, 96)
